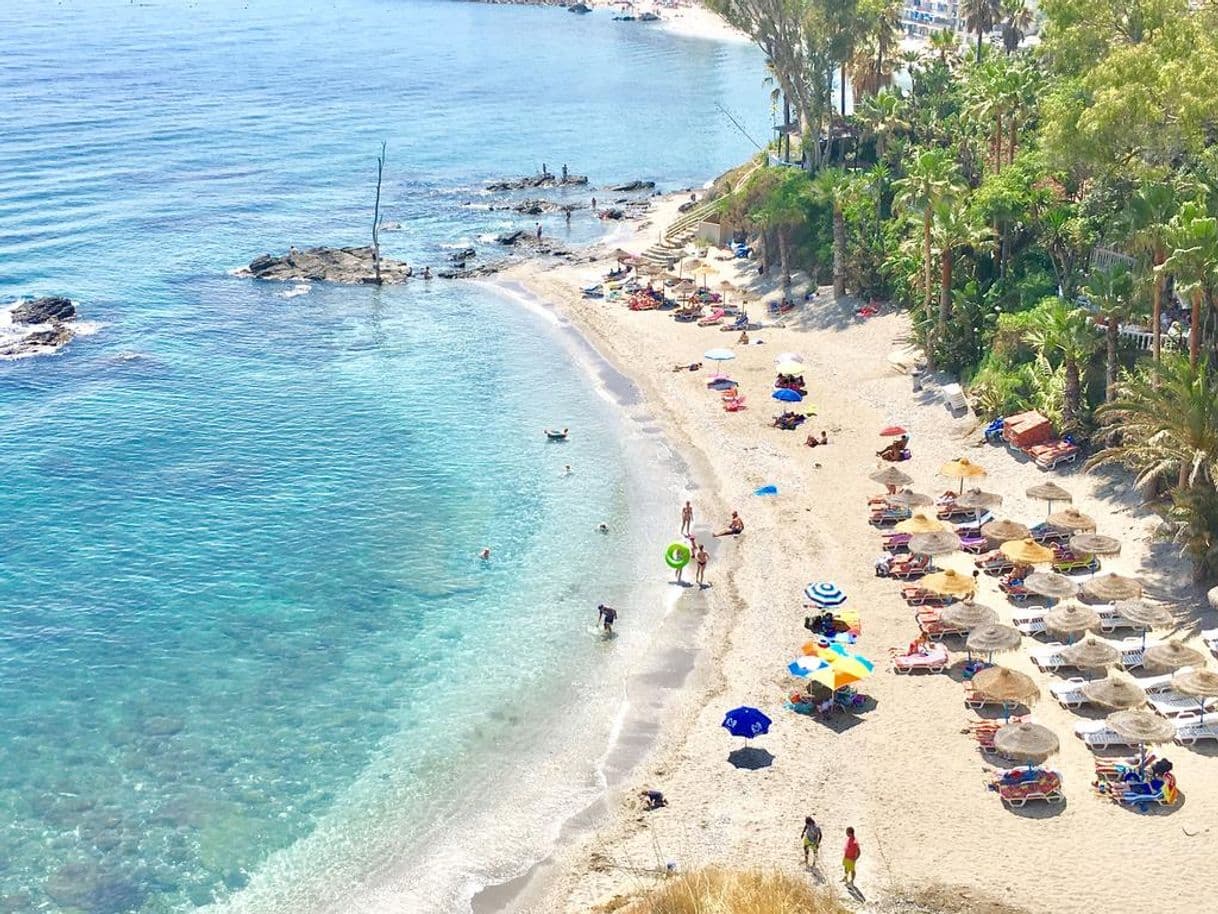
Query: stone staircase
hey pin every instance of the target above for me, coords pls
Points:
(671, 246)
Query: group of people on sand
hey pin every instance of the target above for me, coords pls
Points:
(810, 837)
(735, 526)
(895, 451)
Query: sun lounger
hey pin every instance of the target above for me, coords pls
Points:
(1069, 694)
(951, 509)
(896, 542)
(733, 404)
(1015, 591)
(1049, 659)
(1119, 769)
(1018, 786)
(933, 659)
(1048, 455)
(1045, 535)
(906, 567)
(1170, 703)
(711, 319)
(953, 396)
(1191, 728)
(1095, 734)
(1139, 789)
(1132, 653)
(1209, 638)
(917, 596)
(886, 516)
(1065, 560)
(937, 631)
(993, 563)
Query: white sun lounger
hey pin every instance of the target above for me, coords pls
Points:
(1210, 637)
(1190, 729)
(1096, 735)
(1050, 659)
(1069, 694)
(1170, 703)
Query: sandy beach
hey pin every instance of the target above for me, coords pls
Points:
(906, 774)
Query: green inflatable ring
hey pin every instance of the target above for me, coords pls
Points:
(677, 556)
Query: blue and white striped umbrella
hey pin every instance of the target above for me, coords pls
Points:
(825, 594)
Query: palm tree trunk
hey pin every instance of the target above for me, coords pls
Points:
(1194, 331)
(782, 257)
(998, 144)
(839, 251)
(1013, 129)
(1113, 335)
(1073, 395)
(945, 291)
(1156, 311)
(980, 35)
(926, 260)
(843, 94)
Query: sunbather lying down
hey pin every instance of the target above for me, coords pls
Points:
(694, 366)
(813, 441)
(789, 420)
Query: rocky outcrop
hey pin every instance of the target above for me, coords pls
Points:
(44, 310)
(349, 266)
(631, 186)
(546, 179)
(39, 327)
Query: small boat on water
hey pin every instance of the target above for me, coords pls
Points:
(555, 435)
(579, 8)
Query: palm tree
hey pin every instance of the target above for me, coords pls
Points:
(783, 207)
(1192, 517)
(834, 186)
(953, 231)
(872, 57)
(932, 178)
(1150, 212)
(1193, 239)
(1065, 332)
(1164, 422)
(883, 116)
(979, 16)
(1111, 292)
(1016, 20)
(945, 44)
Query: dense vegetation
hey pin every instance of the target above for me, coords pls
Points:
(1028, 205)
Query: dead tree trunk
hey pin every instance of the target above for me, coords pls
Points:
(376, 218)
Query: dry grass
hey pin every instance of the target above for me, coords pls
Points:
(714, 891)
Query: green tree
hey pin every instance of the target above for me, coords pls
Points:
(781, 198)
(835, 188)
(1016, 18)
(1064, 333)
(1111, 294)
(931, 179)
(953, 231)
(944, 44)
(1164, 423)
(980, 16)
(1193, 261)
(883, 116)
(1147, 228)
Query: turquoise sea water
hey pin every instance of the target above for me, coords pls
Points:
(248, 657)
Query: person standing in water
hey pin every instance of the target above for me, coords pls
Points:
(701, 560)
(606, 615)
(539, 231)
(687, 517)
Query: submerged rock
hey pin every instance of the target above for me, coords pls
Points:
(323, 264)
(546, 179)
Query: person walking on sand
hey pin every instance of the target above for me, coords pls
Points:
(811, 836)
(687, 517)
(701, 559)
(850, 857)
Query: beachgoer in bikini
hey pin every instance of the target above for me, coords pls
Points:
(701, 559)
(735, 526)
(687, 517)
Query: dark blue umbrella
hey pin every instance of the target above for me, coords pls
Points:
(785, 393)
(746, 722)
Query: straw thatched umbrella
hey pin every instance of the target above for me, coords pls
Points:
(977, 500)
(1071, 519)
(891, 476)
(1071, 619)
(619, 255)
(967, 616)
(997, 683)
(1050, 584)
(1141, 727)
(1108, 588)
(920, 523)
(1095, 544)
(1090, 654)
(992, 638)
(909, 499)
(1171, 656)
(1050, 492)
(1116, 693)
(962, 469)
(1003, 531)
(948, 583)
(1200, 684)
(1025, 742)
(1026, 552)
(726, 286)
(1144, 615)
(944, 542)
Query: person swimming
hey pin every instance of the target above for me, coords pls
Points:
(566, 470)
(602, 527)
(485, 554)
